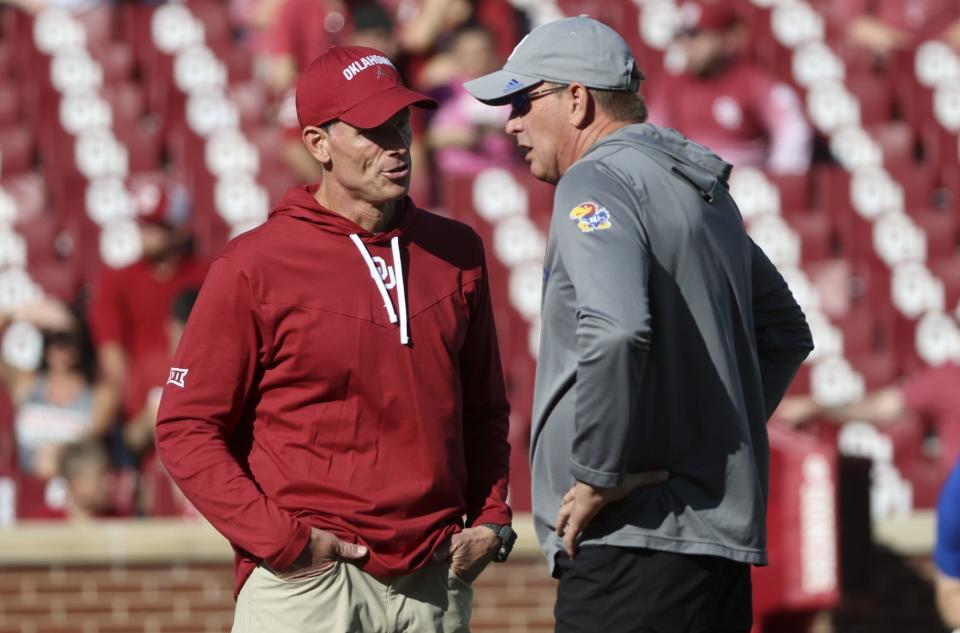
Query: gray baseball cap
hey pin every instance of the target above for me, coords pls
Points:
(578, 49)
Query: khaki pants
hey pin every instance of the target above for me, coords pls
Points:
(344, 599)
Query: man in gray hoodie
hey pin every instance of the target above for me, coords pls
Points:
(668, 339)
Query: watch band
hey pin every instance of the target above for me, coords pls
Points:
(507, 537)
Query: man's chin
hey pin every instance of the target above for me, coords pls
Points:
(541, 174)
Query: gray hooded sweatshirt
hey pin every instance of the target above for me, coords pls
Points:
(668, 339)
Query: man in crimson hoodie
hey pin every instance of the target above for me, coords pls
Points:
(336, 405)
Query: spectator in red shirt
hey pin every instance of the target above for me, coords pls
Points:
(301, 30)
(158, 495)
(129, 308)
(727, 103)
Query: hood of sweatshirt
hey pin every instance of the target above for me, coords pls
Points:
(693, 163)
(299, 203)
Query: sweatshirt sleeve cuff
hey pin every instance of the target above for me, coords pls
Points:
(285, 557)
(500, 516)
(596, 478)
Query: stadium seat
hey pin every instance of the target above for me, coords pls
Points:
(116, 58)
(794, 192)
(98, 22)
(251, 100)
(942, 228)
(897, 141)
(918, 183)
(215, 17)
(947, 270)
(941, 147)
(16, 150)
(10, 101)
(816, 234)
(29, 193)
(878, 369)
(134, 27)
(276, 180)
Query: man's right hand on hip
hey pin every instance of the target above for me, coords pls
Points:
(321, 552)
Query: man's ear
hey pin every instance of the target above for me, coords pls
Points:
(317, 141)
(581, 106)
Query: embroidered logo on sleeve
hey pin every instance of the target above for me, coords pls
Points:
(177, 376)
(590, 217)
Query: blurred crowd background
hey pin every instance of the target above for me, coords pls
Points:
(136, 138)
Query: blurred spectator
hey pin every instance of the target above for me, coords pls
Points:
(301, 30)
(425, 28)
(946, 552)
(85, 469)
(931, 394)
(373, 28)
(724, 101)
(36, 6)
(881, 27)
(159, 496)
(128, 312)
(422, 23)
(465, 135)
(138, 433)
(59, 403)
(254, 18)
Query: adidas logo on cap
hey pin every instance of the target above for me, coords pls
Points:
(513, 84)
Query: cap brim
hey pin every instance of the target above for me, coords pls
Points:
(383, 105)
(497, 87)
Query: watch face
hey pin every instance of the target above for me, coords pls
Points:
(507, 537)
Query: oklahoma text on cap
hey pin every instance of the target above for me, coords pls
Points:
(355, 84)
(576, 49)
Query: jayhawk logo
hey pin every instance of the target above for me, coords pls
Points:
(590, 217)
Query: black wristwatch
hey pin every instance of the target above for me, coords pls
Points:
(507, 538)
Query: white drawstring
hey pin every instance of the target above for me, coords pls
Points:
(401, 294)
(378, 280)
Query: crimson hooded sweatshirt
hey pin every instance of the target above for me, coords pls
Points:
(333, 378)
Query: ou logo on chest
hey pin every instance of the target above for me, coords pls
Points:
(385, 272)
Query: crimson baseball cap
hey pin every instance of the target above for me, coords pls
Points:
(355, 84)
(578, 49)
(701, 15)
(163, 202)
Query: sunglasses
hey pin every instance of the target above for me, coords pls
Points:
(520, 101)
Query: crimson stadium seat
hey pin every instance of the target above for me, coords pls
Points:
(942, 227)
(6, 58)
(117, 60)
(215, 17)
(29, 192)
(10, 101)
(816, 234)
(794, 191)
(875, 95)
(947, 270)
(897, 140)
(16, 150)
(251, 100)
